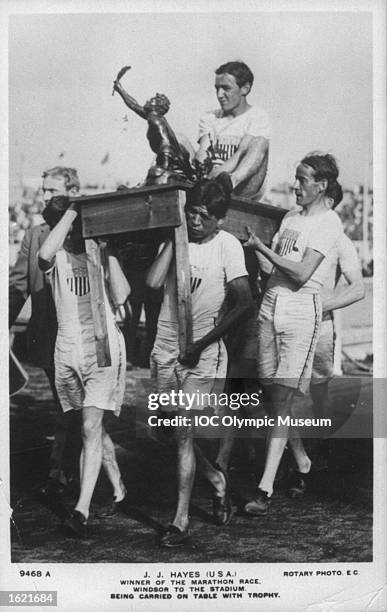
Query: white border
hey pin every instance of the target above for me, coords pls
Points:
(85, 586)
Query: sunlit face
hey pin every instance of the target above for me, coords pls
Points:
(230, 96)
(200, 224)
(53, 187)
(306, 188)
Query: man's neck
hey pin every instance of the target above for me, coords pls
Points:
(242, 108)
(207, 238)
(316, 208)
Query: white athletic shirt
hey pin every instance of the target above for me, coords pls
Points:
(299, 232)
(226, 131)
(342, 255)
(71, 292)
(213, 264)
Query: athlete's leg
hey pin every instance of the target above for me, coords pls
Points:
(91, 455)
(109, 462)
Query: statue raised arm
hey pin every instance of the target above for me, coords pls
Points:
(172, 158)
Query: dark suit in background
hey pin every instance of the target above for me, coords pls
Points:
(26, 279)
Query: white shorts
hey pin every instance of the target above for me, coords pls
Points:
(288, 327)
(80, 382)
(325, 348)
(208, 376)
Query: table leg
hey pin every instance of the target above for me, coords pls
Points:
(183, 279)
(98, 303)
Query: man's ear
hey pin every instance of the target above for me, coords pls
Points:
(323, 185)
(245, 89)
(73, 192)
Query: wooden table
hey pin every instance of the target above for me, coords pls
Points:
(143, 211)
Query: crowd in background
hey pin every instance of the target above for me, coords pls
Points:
(25, 208)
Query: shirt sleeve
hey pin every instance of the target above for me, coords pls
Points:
(49, 272)
(325, 233)
(233, 258)
(206, 125)
(259, 124)
(347, 255)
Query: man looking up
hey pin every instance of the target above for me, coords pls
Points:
(236, 136)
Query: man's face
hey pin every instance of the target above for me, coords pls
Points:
(53, 187)
(200, 223)
(230, 95)
(306, 188)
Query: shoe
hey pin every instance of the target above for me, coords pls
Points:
(51, 496)
(121, 507)
(173, 537)
(297, 485)
(221, 506)
(77, 524)
(320, 464)
(260, 505)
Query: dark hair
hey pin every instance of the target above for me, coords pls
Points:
(335, 192)
(239, 70)
(70, 176)
(211, 194)
(324, 166)
(55, 209)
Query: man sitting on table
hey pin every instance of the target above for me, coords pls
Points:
(236, 136)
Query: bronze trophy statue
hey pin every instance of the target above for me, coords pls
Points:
(172, 158)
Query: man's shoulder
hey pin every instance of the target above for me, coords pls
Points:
(291, 215)
(346, 248)
(257, 113)
(36, 230)
(229, 242)
(32, 233)
(227, 237)
(212, 114)
(334, 220)
(39, 232)
(256, 110)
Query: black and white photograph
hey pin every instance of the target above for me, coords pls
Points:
(193, 408)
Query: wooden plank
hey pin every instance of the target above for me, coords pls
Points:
(263, 219)
(98, 303)
(123, 212)
(183, 279)
(134, 191)
(151, 208)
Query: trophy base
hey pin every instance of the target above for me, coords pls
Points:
(159, 176)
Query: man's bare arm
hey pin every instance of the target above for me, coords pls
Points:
(246, 161)
(201, 154)
(242, 301)
(158, 271)
(56, 238)
(345, 296)
(297, 271)
(118, 283)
